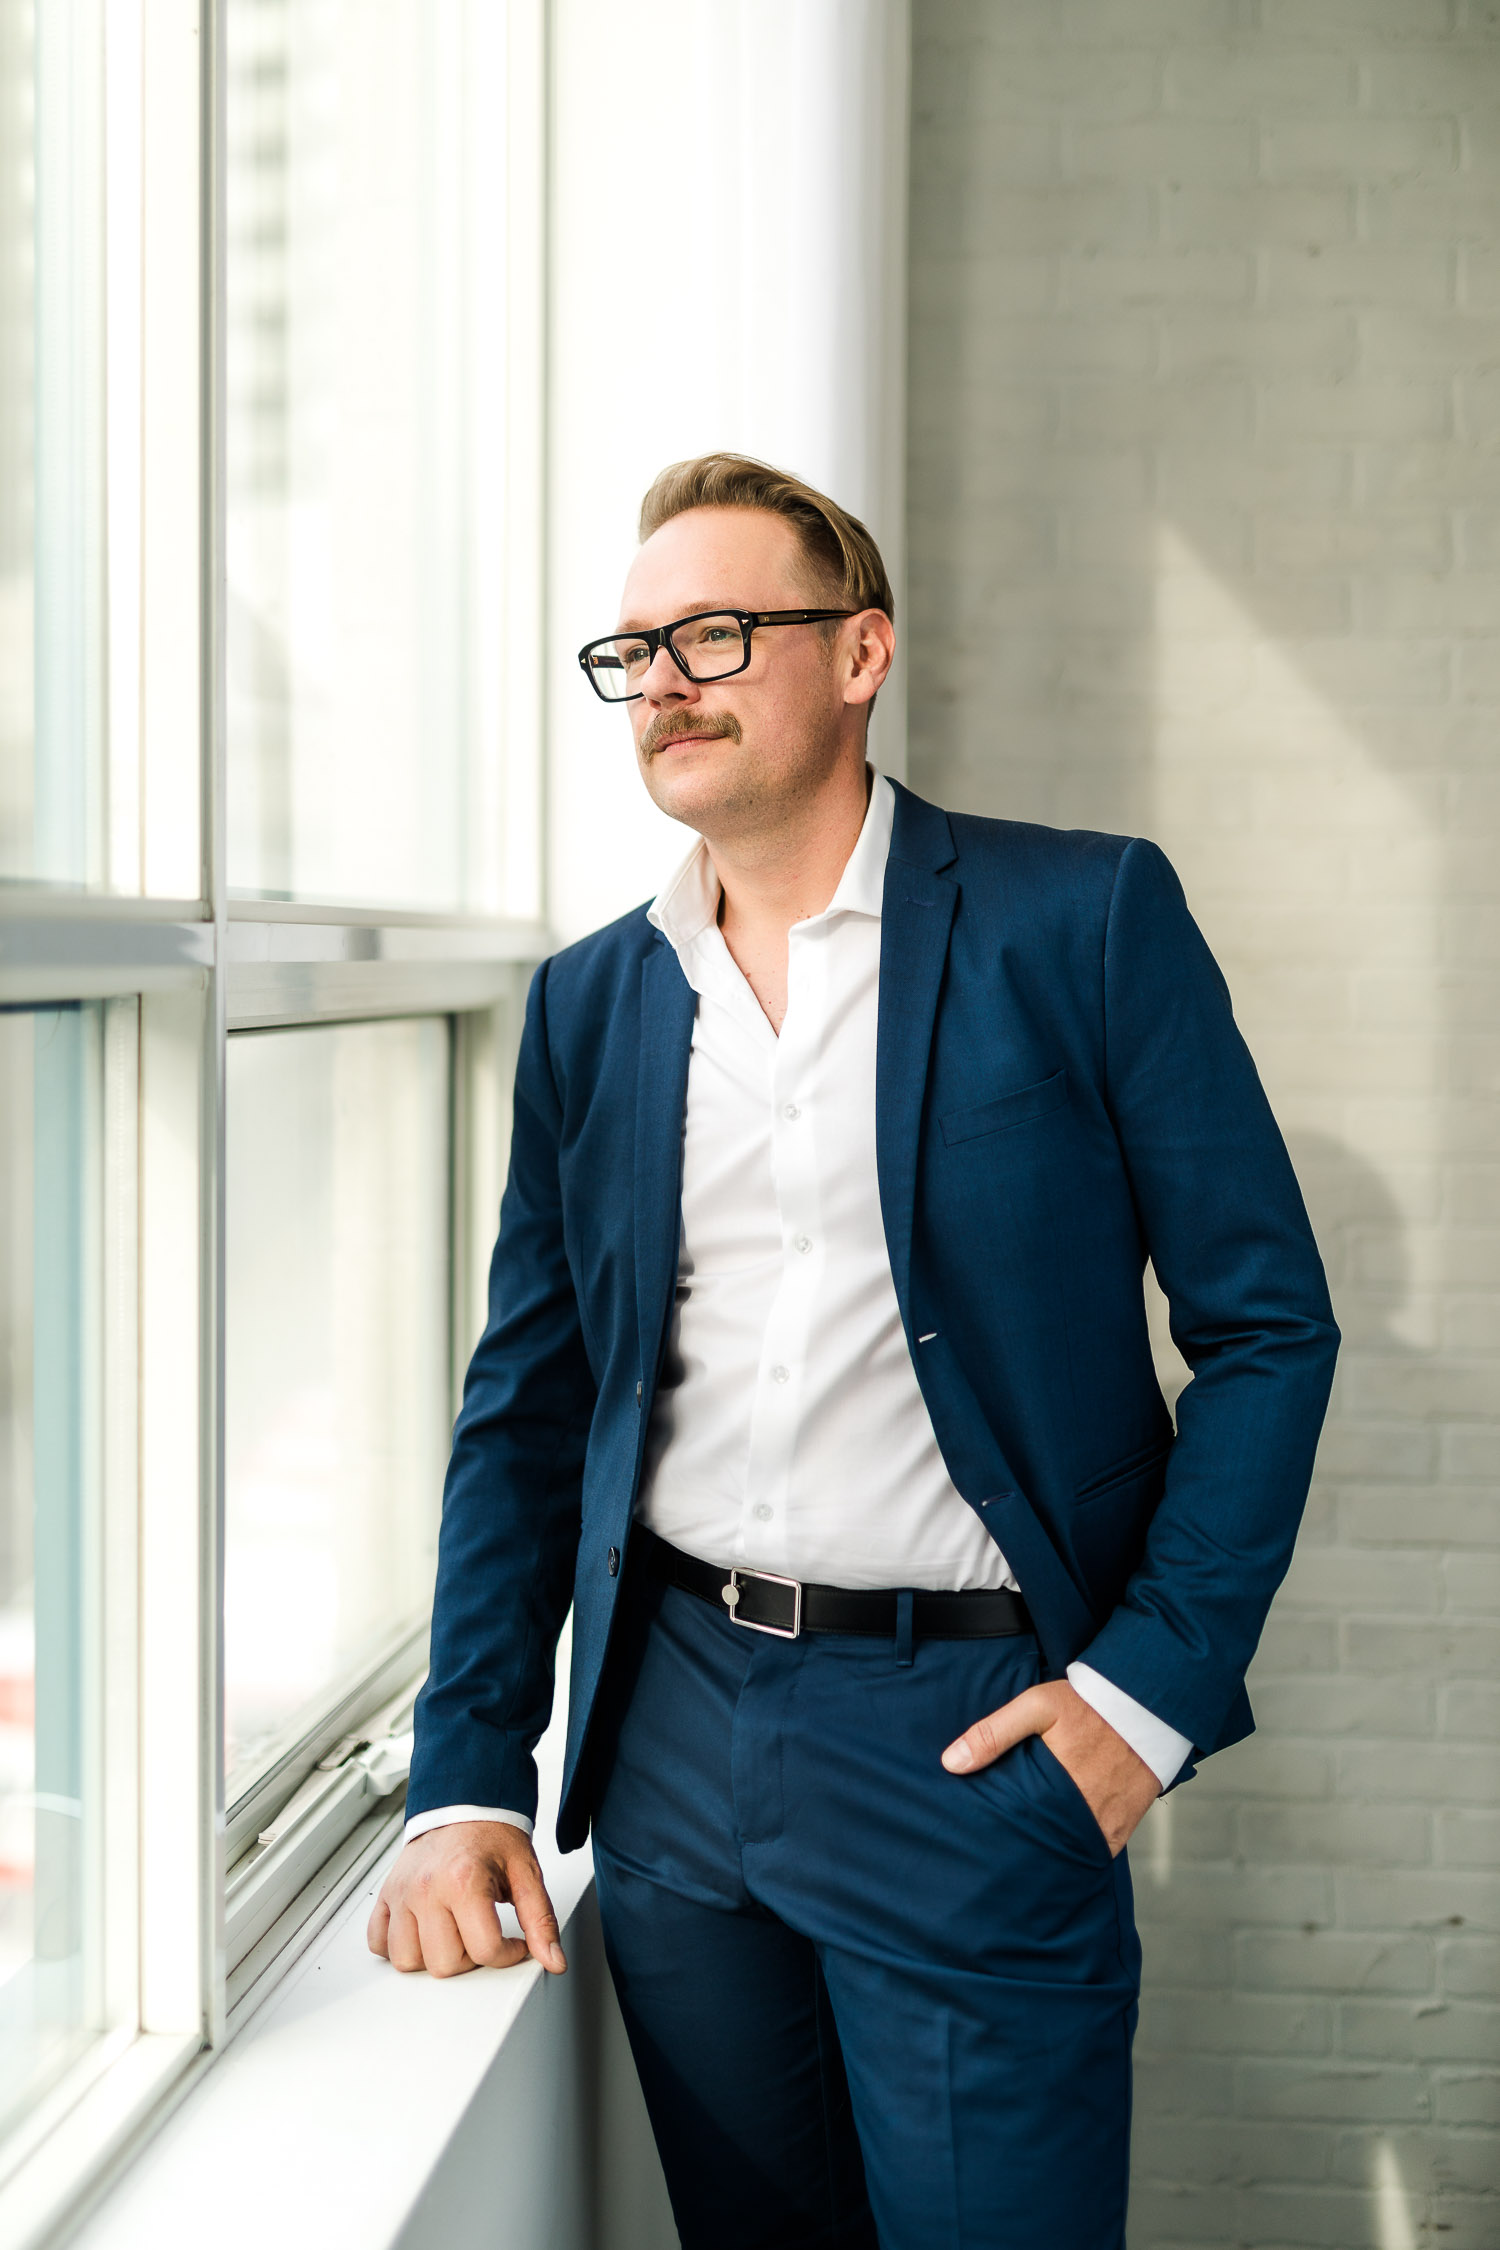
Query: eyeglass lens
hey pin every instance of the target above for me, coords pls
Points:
(710, 647)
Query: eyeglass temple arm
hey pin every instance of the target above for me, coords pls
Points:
(796, 616)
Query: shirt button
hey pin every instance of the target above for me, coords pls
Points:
(781, 1374)
(612, 1562)
(792, 1111)
(803, 1243)
(763, 1514)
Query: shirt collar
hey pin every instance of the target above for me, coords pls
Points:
(688, 901)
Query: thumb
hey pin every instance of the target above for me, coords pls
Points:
(528, 1895)
(988, 1739)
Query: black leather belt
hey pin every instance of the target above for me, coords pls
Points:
(763, 1602)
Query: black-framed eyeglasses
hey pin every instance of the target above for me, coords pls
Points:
(712, 646)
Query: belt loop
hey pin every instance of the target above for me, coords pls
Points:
(905, 1601)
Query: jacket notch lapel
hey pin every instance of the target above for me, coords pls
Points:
(668, 1005)
(916, 923)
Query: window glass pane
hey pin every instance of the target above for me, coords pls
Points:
(50, 1249)
(362, 288)
(52, 735)
(337, 1398)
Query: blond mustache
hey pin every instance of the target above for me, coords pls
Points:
(671, 725)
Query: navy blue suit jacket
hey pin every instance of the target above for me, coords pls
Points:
(1061, 1092)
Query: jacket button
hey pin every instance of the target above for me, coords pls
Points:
(637, 1394)
(612, 1562)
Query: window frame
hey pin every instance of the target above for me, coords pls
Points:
(188, 966)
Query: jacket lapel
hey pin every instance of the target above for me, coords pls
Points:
(916, 921)
(667, 1009)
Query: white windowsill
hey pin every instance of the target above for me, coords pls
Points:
(324, 2120)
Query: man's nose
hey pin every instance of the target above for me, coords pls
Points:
(664, 681)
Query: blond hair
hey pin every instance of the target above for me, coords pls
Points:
(842, 555)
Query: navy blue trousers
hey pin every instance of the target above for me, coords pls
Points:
(871, 2002)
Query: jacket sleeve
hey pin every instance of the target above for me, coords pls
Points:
(1229, 1237)
(511, 1502)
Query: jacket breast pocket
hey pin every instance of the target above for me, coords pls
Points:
(1019, 1107)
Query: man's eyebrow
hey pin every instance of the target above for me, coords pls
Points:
(694, 609)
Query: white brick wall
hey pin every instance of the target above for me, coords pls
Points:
(1205, 542)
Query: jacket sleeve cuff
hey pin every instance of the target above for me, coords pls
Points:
(1163, 1749)
(445, 1816)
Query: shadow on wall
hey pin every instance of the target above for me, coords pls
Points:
(1362, 1234)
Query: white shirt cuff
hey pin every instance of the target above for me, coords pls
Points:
(1162, 1747)
(444, 1816)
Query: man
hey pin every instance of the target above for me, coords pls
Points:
(817, 1379)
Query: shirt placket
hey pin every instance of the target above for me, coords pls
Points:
(781, 1383)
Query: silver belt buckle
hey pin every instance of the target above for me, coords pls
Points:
(730, 1596)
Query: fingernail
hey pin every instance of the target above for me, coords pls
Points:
(555, 1960)
(958, 1757)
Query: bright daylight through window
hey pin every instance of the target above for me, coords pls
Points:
(53, 809)
(51, 1116)
(364, 367)
(337, 1405)
(270, 353)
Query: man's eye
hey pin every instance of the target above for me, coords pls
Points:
(634, 654)
(715, 635)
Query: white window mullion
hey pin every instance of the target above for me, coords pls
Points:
(123, 158)
(179, 1698)
(119, 1545)
(516, 657)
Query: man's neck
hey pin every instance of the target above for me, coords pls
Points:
(780, 879)
(787, 873)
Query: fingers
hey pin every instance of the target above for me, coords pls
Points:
(477, 1914)
(417, 1910)
(404, 1948)
(438, 1907)
(989, 1738)
(441, 1949)
(528, 1894)
(486, 1940)
(477, 1886)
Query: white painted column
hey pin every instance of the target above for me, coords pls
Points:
(728, 273)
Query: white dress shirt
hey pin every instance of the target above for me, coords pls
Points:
(788, 1432)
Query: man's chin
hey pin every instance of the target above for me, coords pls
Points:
(690, 788)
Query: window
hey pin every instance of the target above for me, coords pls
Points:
(51, 1116)
(53, 795)
(337, 1383)
(269, 897)
(368, 614)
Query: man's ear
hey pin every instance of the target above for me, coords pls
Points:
(874, 652)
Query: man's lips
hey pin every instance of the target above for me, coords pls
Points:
(677, 740)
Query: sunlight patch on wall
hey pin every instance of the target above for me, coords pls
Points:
(1317, 881)
(1393, 2223)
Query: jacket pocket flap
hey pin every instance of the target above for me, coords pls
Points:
(1125, 1471)
(1016, 1108)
